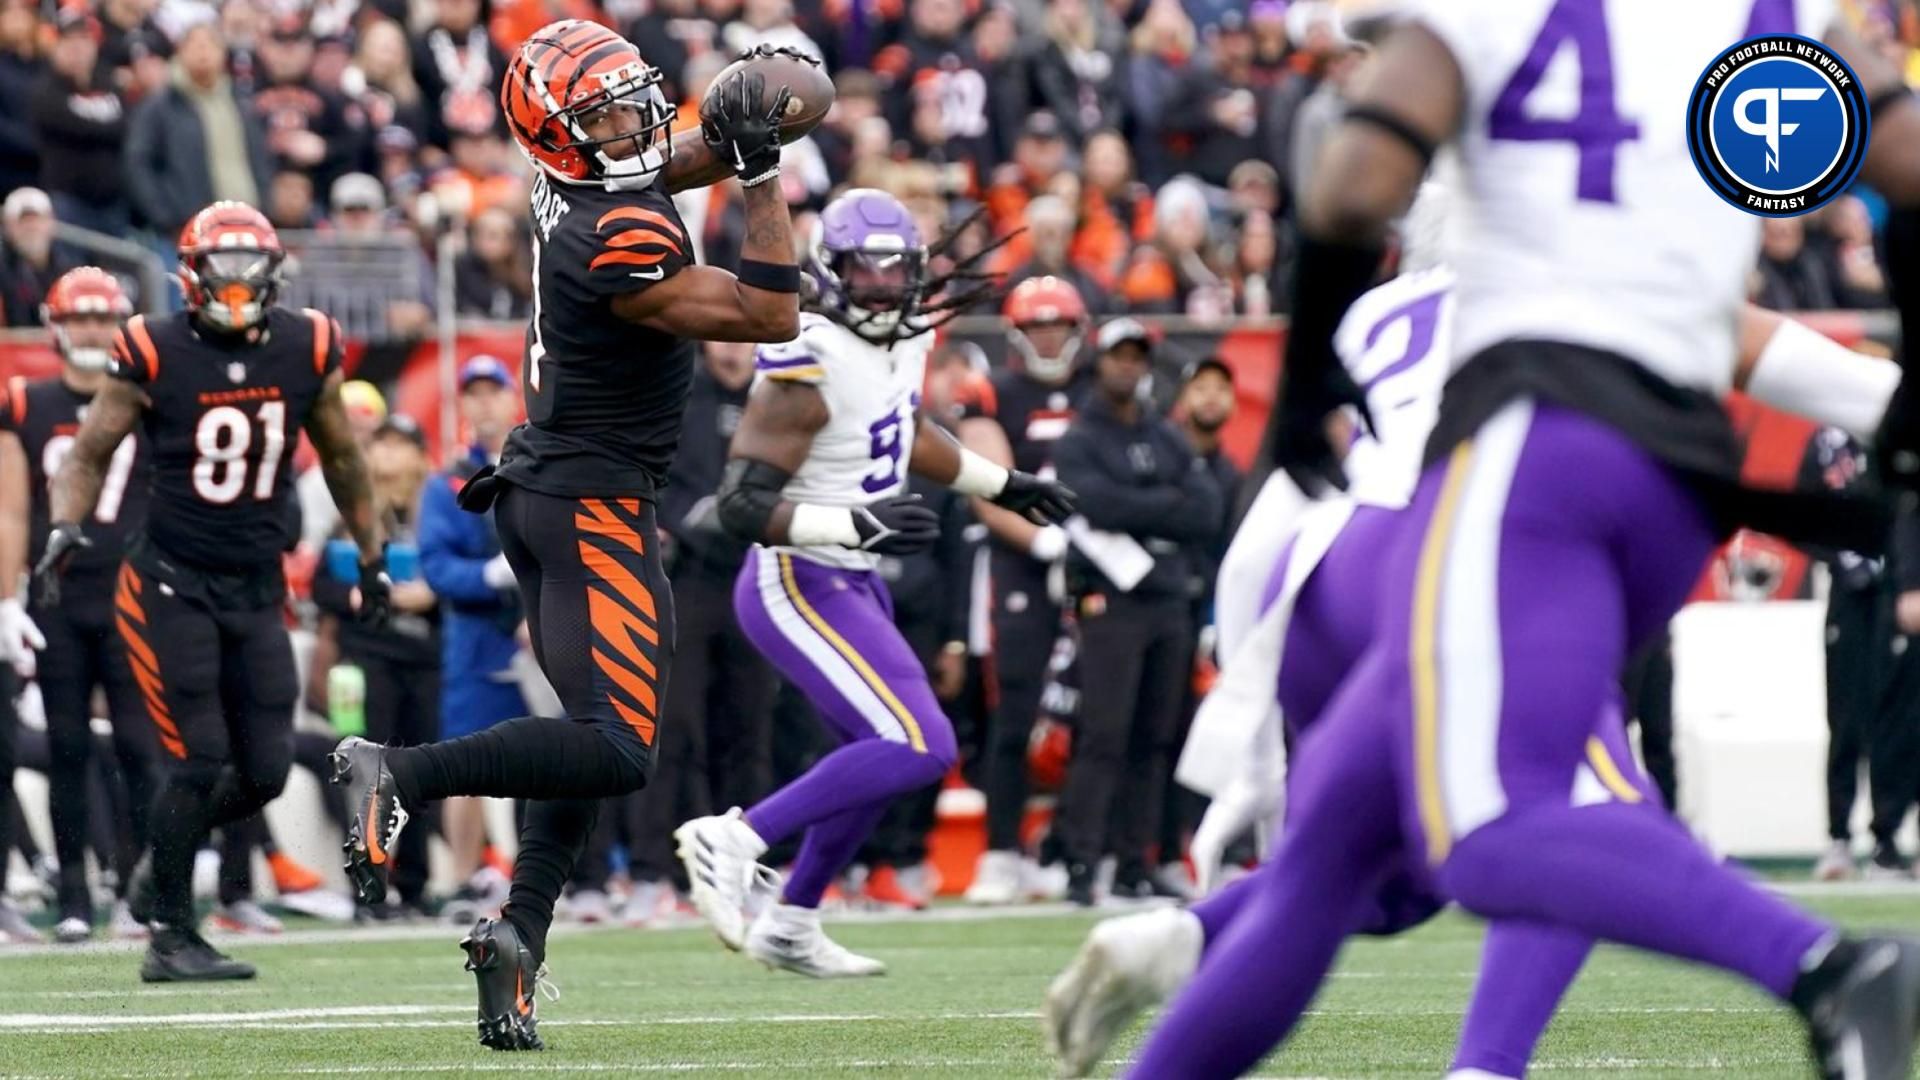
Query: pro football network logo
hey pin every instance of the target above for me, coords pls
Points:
(1778, 125)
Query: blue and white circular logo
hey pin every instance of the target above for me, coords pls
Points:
(1778, 125)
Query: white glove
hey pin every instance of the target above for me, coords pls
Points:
(497, 574)
(1241, 805)
(1049, 544)
(19, 638)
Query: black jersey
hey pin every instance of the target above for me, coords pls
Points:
(1032, 413)
(45, 414)
(223, 417)
(604, 396)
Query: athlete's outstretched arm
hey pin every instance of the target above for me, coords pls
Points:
(1406, 101)
(111, 415)
(940, 458)
(15, 508)
(344, 468)
(713, 305)
(775, 433)
(1794, 367)
(984, 436)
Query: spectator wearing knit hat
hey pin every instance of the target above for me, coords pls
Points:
(194, 142)
(1050, 228)
(80, 123)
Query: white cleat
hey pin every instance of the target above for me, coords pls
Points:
(719, 854)
(122, 926)
(789, 938)
(996, 879)
(1128, 964)
(1044, 883)
(1836, 863)
(245, 917)
(72, 930)
(589, 907)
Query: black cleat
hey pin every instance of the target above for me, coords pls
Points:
(184, 956)
(1080, 884)
(1862, 1005)
(140, 890)
(377, 816)
(508, 978)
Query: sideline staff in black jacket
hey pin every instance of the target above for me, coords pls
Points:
(1137, 475)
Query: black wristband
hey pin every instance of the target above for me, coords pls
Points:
(1395, 126)
(771, 277)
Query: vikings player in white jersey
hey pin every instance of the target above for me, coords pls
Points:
(1306, 576)
(817, 480)
(1579, 474)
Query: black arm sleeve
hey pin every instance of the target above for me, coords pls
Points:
(749, 491)
(955, 556)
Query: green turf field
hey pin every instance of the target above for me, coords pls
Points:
(961, 1001)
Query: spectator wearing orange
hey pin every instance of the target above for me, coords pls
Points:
(20, 68)
(1076, 74)
(477, 174)
(1050, 230)
(1116, 210)
(1173, 274)
(1039, 154)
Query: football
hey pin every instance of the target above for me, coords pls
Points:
(811, 86)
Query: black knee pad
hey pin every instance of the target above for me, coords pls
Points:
(267, 777)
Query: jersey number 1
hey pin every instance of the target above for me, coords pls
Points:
(223, 439)
(1597, 129)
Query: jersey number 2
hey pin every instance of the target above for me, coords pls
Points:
(223, 439)
(1597, 129)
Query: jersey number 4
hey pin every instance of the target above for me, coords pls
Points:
(223, 439)
(1597, 129)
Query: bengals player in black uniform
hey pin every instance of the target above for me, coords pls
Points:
(221, 391)
(1014, 419)
(82, 650)
(618, 307)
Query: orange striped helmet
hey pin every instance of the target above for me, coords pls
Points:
(230, 266)
(81, 293)
(585, 108)
(1054, 304)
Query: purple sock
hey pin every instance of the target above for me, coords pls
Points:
(1525, 969)
(1628, 873)
(829, 846)
(859, 775)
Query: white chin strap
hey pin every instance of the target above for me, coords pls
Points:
(1049, 368)
(631, 174)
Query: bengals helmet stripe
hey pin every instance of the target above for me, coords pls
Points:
(86, 290)
(568, 70)
(226, 290)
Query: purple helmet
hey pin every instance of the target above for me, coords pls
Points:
(868, 265)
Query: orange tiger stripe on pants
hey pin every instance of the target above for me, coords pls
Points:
(622, 612)
(131, 619)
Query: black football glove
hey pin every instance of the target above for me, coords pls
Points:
(901, 525)
(742, 127)
(1300, 442)
(1043, 502)
(375, 604)
(63, 543)
(764, 51)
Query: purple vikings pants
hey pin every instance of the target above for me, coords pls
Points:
(1531, 562)
(830, 632)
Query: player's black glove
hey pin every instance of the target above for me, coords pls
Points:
(1043, 502)
(1300, 443)
(375, 602)
(63, 543)
(742, 127)
(901, 525)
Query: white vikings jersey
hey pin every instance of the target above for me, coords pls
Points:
(1396, 342)
(872, 395)
(1578, 215)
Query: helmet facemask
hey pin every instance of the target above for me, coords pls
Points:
(878, 288)
(622, 129)
(85, 356)
(1054, 365)
(234, 288)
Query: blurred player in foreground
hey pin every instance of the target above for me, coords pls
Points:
(817, 480)
(1580, 472)
(1310, 578)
